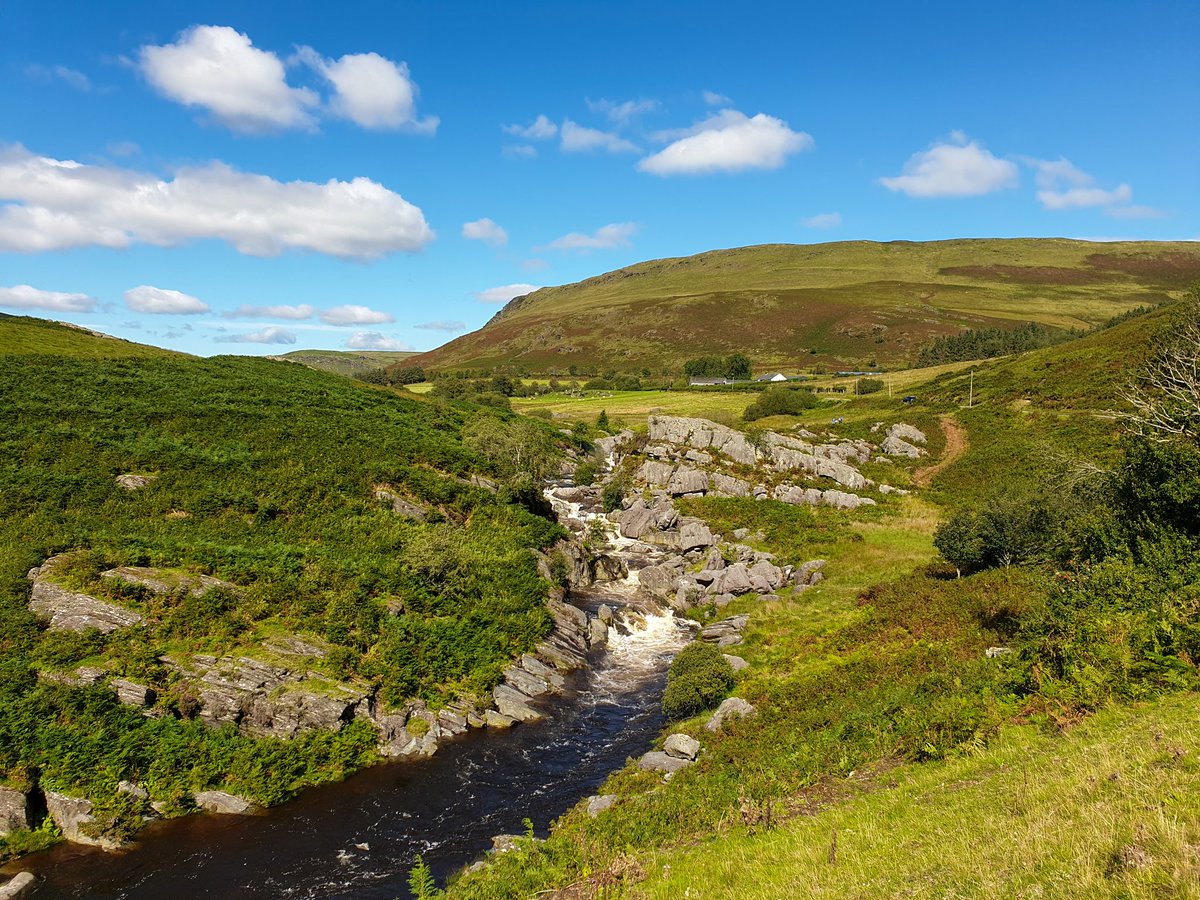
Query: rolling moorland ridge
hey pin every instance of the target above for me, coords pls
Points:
(840, 305)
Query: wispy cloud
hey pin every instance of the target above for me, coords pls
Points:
(272, 334)
(485, 230)
(541, 129)
(442, 326)
(578, 138)
(373, 340)
(72, 77)
(824, 220)
(246, 311)
(505, 292)
(607, 237)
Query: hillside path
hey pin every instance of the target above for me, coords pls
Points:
(956, 446)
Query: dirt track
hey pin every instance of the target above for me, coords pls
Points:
(956, 446)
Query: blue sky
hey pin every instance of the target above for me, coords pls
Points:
(254, 178)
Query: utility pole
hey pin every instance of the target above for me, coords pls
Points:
(971, 398)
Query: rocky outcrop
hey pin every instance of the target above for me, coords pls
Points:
(70, 610)
(131, 693)
(164, 581)
(265, 699)
(685, 481)
(598, 804)
(132, 482)
(681, 746)
(401, 506)
(789, 493)
(726, 632)
(703, 435)
(14, 810)
(658, 761)
(223, 803)
(20, 885)
(730, 708)
(73, 816)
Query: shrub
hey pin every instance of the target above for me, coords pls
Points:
(585, 473)
(699, 678)
(781, 401)
(870, 385)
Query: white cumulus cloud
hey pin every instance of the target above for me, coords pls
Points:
(581, 139)
(824, 220)
(541, 129)
(728, 141)
(961, 168)
(218, 69)
(161, 301)
(23, 296)
(712, 98)
(55, 204)
(272, 334)
(373, 340)
(485, 230)
(371, 91)
(505, 292)
(355, 315)
(246, 311)
(607, 237)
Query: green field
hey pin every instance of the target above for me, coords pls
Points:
(794, 306)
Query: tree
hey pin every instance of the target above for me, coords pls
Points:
(738, 367)
(1166, 399)
(518, 449)
(602, 420)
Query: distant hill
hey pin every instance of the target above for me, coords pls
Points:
(346, 362)
(24, 335)
(792, 306)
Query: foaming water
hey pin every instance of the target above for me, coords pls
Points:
(359, 838)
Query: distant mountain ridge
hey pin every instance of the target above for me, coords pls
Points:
(842, 304)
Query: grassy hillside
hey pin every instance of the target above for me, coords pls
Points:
(261, 474)
(346, 362)
(23, 335)
(795, 306)
(890, 755)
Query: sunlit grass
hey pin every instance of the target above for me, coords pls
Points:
(1110, 809)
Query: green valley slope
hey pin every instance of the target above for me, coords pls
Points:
(794, 306)
(269, 477)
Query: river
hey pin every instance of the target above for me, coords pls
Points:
(358, 838)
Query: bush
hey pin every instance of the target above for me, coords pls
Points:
(699, 678)
(1006, 532)
(781, 401)
(585, 473)
(870, 385)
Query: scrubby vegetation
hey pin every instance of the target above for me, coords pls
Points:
(781, 401)
(699, 678)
